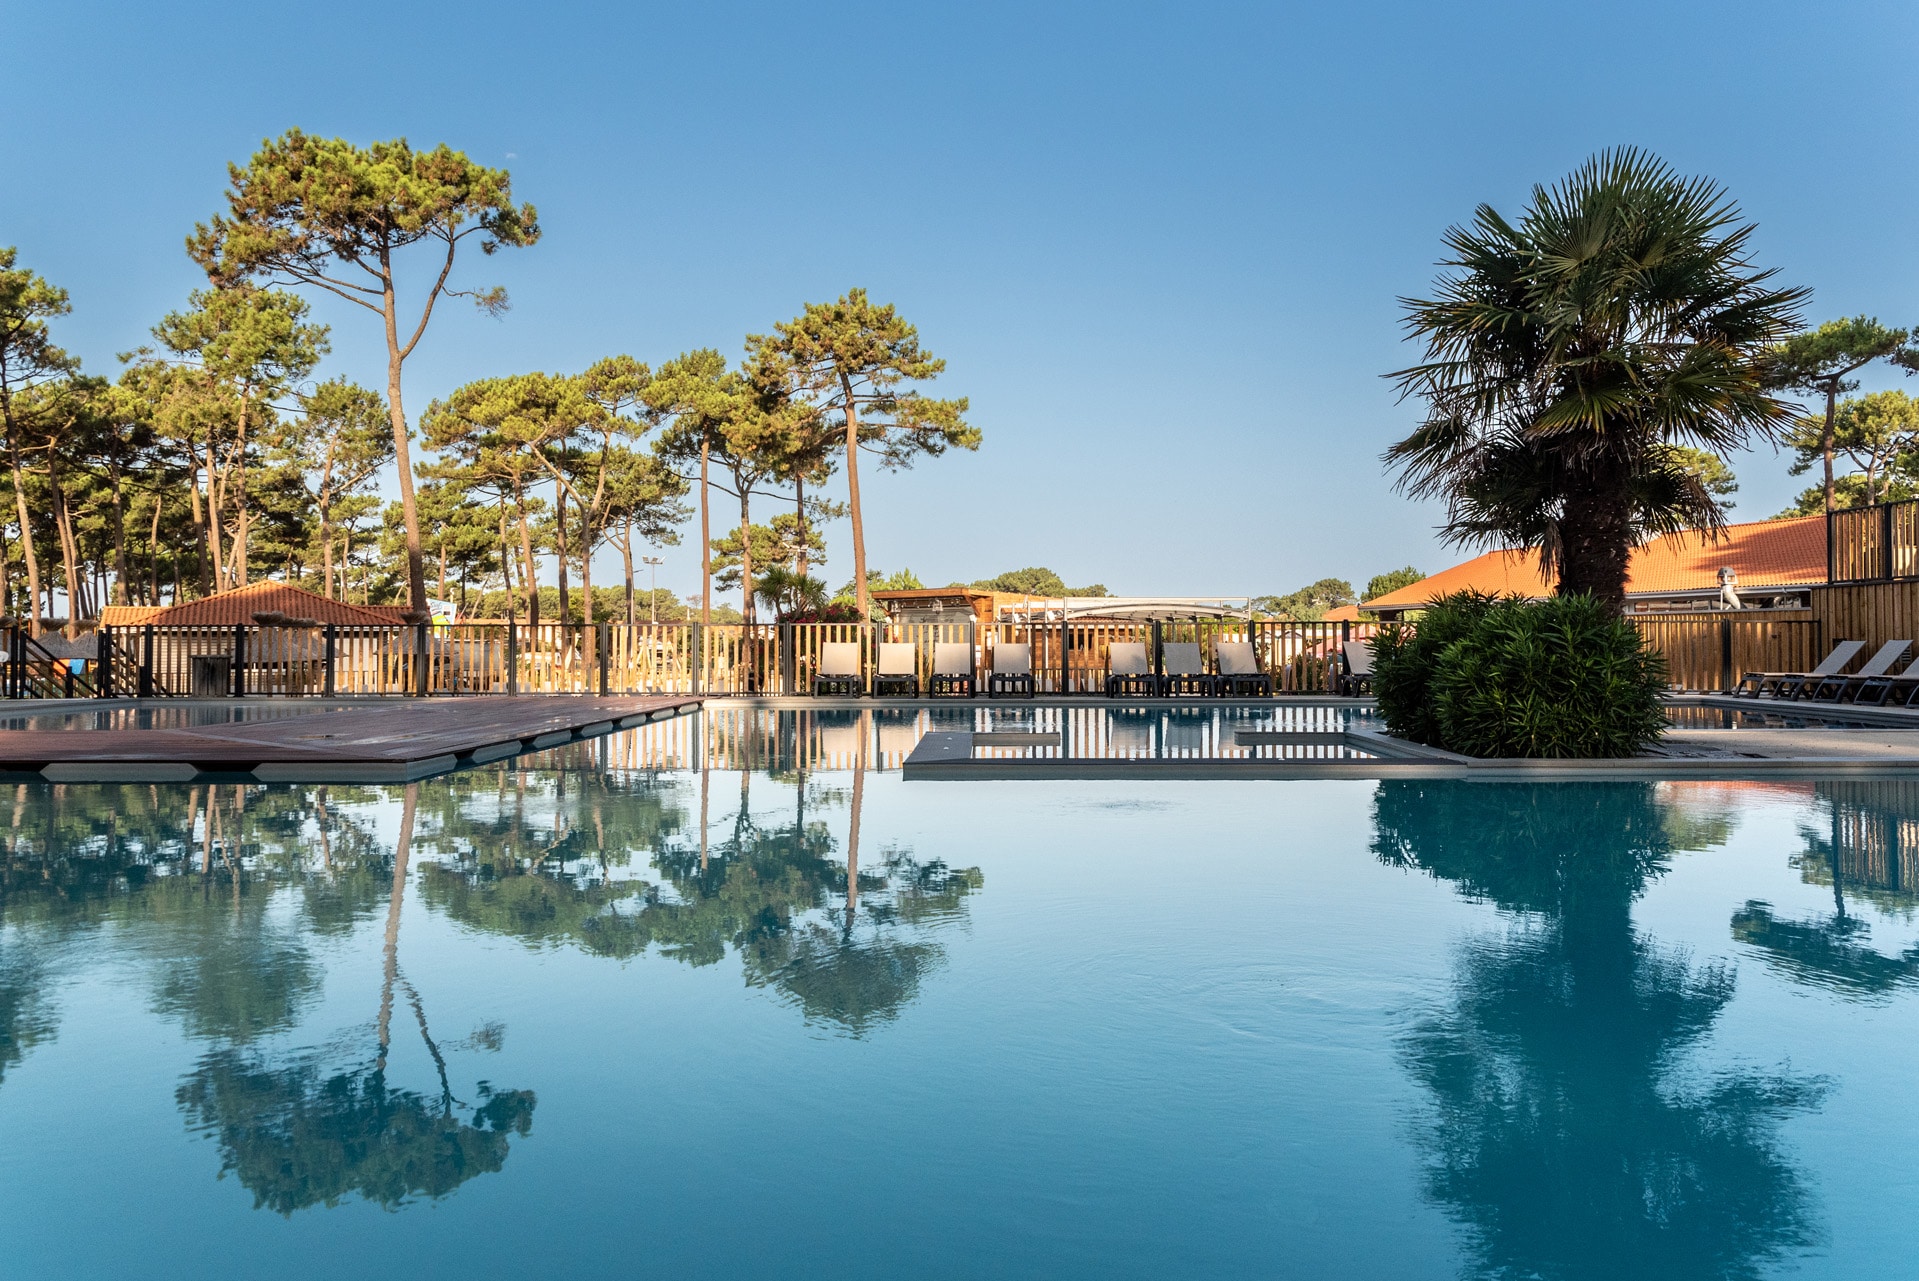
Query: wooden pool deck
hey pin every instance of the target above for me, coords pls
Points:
(389, 741)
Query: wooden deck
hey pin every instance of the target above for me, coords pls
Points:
(389, 742)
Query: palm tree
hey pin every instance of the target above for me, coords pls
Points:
(1570, 354)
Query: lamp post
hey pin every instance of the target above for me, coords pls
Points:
(653, 564)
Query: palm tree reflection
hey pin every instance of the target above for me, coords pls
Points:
(1569, 1133)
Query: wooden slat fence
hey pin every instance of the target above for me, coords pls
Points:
(1709, 652)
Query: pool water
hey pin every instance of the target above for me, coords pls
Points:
(580, 1015)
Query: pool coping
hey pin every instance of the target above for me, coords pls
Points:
(433, 737)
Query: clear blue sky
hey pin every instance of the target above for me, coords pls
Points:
(1159, 245)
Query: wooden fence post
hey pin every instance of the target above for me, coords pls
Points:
(103, 662)
(329, 651)
(239, 660)
(146, 662)
(695, 656)
(605, 634)
(1726, 678)
(789, 660)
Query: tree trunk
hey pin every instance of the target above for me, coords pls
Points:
(215, 557)
(402, 454)
(853, 499)
(69, 546)
(626, 563)
(120, 593)
(531, 572)
(746, 554)
(706, 543)
(799, 504)
(1596, 537)
(27, 552)
(1825, 437)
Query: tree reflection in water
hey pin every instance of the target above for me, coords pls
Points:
(1569, 1134)
(1869, 848)
(218, 890)
(562, 857)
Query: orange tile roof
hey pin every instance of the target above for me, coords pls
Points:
(1764, 553)
(1343, 614)
(225, 609)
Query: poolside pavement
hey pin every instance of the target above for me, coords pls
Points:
(391, 740)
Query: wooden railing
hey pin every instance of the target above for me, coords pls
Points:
(678, 658)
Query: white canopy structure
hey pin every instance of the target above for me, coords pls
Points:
(1126, 608)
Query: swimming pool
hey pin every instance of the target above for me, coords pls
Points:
(744, 1011)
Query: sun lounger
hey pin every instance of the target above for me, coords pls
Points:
(1239, 674)
(1880, 688)
(1128, 672)
(1840, 689)
(1012, 671)
(1358, 656)
(1186, 671)
(952, 669)
(839, 669)
(898, 671)
(1790, 684)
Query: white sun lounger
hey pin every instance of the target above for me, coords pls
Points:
(1012, 671)
(952, 669)
(839, 669)
(1239, 674)
(898, 670)
(1127, 671)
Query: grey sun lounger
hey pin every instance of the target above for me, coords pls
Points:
(1359, 664)
(1792, 684)
(1128, 672)
(1880, 690)
(839, 669)
(952, 669)
(1840, 689)
(1186, 671)
(1012, 671)
(898, 671)
(1239, 674)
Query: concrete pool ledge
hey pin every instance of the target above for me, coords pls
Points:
(394, 741)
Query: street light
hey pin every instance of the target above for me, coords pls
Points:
(653, 564)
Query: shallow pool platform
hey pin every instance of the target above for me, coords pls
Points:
(371, 741)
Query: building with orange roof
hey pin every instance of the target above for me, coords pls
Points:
(240, 605)
(1776, 561)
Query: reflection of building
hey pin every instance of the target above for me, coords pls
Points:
(1775, 562)
(1875, 834)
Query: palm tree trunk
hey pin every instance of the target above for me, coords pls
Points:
(1596, 538)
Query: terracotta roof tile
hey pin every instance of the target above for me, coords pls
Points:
(225, 609)
(1764, 553)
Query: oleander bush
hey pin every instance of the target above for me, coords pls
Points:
(1406, 657)
(1565, 677)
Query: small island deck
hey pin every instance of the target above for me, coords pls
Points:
(385, 741)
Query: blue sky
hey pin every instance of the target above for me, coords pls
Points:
(1158, 245)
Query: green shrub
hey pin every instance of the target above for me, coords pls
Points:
(1566, 677)
(1405, 658)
